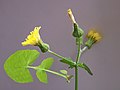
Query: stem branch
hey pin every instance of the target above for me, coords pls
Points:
(50, 71)
(53, 72)
(78, 54)
(56, 54)
(85, 48)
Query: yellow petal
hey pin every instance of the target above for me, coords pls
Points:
(96, 35)
(98, 38)
(71, 16)
(33, 38)
(90, 34)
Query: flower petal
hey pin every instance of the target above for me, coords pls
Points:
(33, 38)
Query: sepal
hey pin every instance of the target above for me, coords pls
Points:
(44, 47)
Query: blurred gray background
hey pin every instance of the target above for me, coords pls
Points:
(19, 17)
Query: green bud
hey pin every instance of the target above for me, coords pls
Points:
(77, 32)
(89, 43)
(44, 47)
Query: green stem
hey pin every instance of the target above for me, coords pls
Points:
(32, 67)
(78, 54)
(56, 54)
(76, 67)
(83, 50)
(76, 78)
(56, 73)
(50, 71)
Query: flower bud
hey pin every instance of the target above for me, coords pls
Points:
(77, 32)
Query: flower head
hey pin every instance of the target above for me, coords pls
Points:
(33, 38)
(92, 34)
(93, 37)
(71, 16)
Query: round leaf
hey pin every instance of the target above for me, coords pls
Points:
(16, 65)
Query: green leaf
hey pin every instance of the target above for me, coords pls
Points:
(68, 61)
(16, 65)
(47, 63)
(85, 67)
(63, 72)
(42, 76)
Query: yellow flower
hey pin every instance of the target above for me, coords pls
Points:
(93, 37)
(33, 38)
(90, 33)
(71, 16)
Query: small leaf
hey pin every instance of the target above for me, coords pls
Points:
(63, 72)
(47, 63)
(68, 61)
(42, 76)
(16, 65)
(85, 67)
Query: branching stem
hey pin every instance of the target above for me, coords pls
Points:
(80, 51)
(50, 71)
(56, 73)
(56, 54)
(83, 50)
